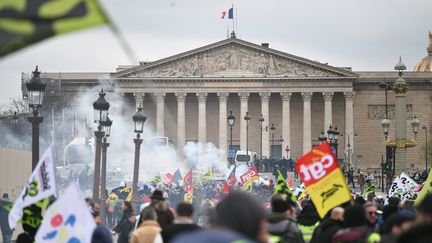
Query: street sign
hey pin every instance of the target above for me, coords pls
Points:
(231, 153)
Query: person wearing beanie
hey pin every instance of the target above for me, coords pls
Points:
(282, 223)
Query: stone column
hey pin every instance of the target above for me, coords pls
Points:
(244, 97)
(265, 97)
(181, 126)
(328, 116)
(202, 136)
(349, 119)
(160, 114)
(307, 140)
(223, 140)
(286, 111)
(139, 100)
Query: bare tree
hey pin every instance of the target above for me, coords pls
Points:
(17, 104)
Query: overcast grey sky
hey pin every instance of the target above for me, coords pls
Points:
(363, 34)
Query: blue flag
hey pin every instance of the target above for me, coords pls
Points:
(231, 13)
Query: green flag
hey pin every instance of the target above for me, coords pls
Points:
(368, 190)
(283, 189)
(24, 22)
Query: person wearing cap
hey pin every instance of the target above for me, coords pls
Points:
(282, 223)
(164, 214)
(4, 219)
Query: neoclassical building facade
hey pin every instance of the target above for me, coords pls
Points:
(188, 96)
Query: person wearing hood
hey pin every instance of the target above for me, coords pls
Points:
(307, 221)
(329, 226)
(282, 223)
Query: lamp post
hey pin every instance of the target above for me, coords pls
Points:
(287, 152)
(139, 119)
(332, 138)
(231, 122)
(100, 107)
(106, 126)
(247, 119)
(349, 149)
(272, 129)
(400, 143)
(36, 89)
(426, 141)
(261, 120)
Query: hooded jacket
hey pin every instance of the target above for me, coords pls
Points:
(283, 229)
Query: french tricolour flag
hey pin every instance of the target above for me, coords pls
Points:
(228, 15)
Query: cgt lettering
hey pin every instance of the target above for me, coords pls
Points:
(317, 170)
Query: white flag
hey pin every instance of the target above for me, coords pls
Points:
(407, 182)
(40, 185)
(67, 219)
(402, 187)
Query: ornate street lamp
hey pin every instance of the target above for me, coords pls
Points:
(36, 89)
(247, 118)
(231, 122)
(100, 107)
(106, 127)
(139, 119)
(322, 137)
(400, 143)
(287, 152)
(261, 120)
(273, 129)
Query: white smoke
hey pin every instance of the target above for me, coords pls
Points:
(153, 157)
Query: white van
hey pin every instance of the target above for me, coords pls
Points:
(246, 158)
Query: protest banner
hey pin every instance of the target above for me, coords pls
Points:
(67, 220)
(323, 178)
(40, 185)
(248, 178)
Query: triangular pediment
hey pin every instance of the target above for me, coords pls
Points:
(233, 58)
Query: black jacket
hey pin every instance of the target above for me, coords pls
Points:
(175, 230)
(123, 229)
(326, 230)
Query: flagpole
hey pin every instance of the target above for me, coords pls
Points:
(236, 20)
(233, 18)
(120, 38)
